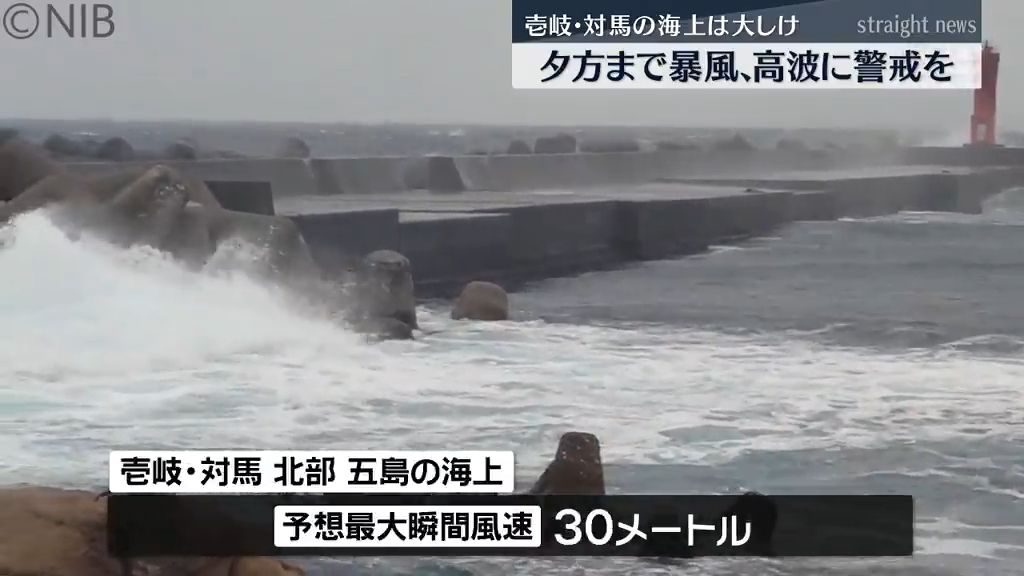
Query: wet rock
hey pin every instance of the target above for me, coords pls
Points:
(481, 301)
(116, 149)
(558, 144)
(576, 468)
(294, 147)
(386, 289)
(53, 532)
(519, 147)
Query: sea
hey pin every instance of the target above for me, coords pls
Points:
(881, 355)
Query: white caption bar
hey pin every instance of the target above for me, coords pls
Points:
(666, 66)
(407, 526)
(280, 472)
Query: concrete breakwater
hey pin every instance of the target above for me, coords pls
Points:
(521, 217)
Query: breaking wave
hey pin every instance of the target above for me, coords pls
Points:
(107, 348)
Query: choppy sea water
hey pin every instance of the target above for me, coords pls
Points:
(882, 355)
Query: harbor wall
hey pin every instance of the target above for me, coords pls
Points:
(544, 238)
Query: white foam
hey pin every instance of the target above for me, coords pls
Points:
(106, 349)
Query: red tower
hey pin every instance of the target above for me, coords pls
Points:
(983, 121)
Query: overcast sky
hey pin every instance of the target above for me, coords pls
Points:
(428, 61)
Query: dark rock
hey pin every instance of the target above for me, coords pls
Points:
(576, 468)
(481, 301)
(116, 149)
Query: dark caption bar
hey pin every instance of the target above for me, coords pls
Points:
(641, 526)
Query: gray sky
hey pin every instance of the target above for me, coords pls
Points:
(405, 61)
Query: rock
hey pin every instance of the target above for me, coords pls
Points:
(576, 468)
(61, 146)
(519, 147)
(386, 288)
(294, 147)
(481, 301)
(180, 151)
(558, 144)
(606, 146)
(116, 149)
(53, 532)
(48, 532)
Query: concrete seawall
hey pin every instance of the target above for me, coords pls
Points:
(509, 237)
(331, 176)
(517, 218)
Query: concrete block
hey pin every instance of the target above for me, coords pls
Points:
(287, 177)
(812, 205)
(339, 240)
(454, 247)
(241, 196)
(443, 175)
(558, 238)
(362, 175)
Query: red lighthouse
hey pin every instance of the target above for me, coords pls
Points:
(983, 121)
